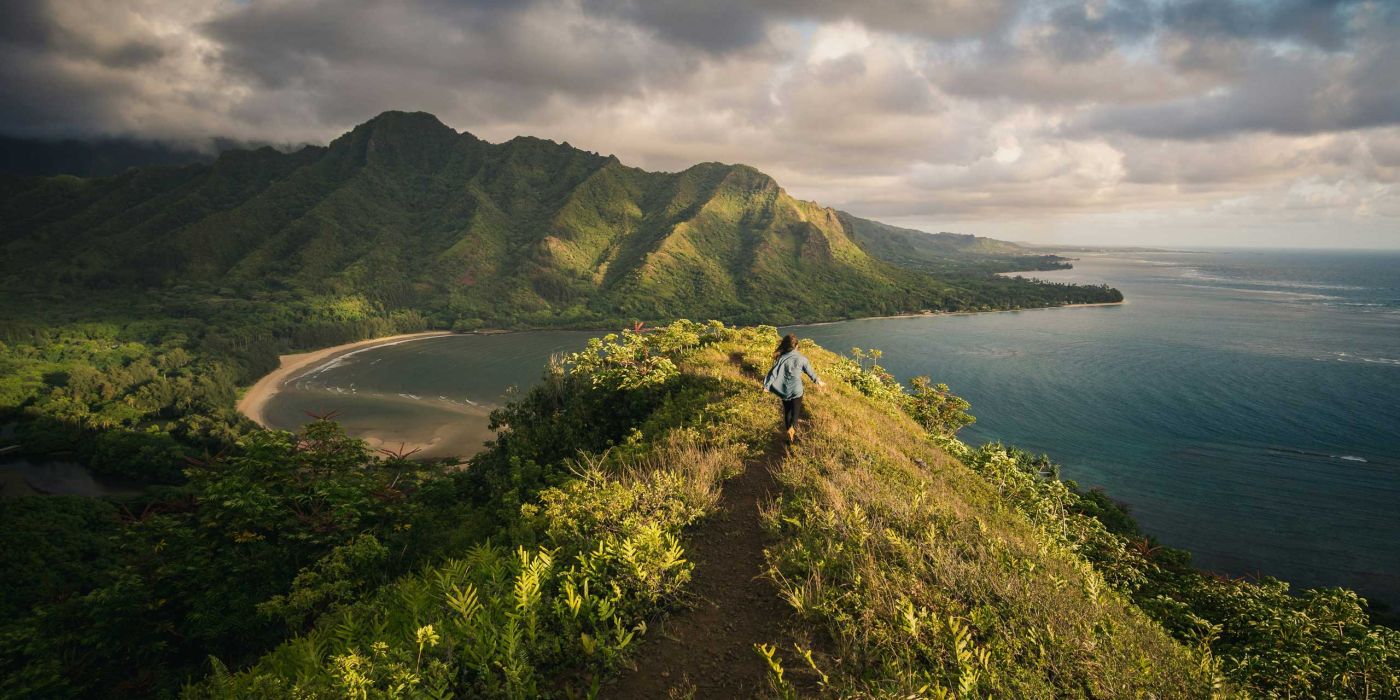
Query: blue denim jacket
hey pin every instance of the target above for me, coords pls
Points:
(785, 379)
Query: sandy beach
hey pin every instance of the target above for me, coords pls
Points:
(460, 438)
(255, 400)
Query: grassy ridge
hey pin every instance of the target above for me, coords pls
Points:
(914, 565)
(943, 570)
(921, 567)
(931, 583)
(862, 498)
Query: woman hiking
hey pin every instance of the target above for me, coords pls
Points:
(785, 380)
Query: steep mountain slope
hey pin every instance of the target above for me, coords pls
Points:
(405, 212)
(943, 252)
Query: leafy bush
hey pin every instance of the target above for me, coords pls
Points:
(185, 574)
(555, 594)
(1267, 640)
(506, 623)
(933, 406)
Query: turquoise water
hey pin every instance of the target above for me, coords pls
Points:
(1244, 404)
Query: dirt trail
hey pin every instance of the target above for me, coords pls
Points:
(706, 651)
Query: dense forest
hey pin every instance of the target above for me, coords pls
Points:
(911, 564)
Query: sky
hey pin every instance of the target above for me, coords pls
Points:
(1130, 122)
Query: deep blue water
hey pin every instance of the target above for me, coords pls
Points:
(1245, 404)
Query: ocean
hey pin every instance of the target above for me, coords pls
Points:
(1244, 404)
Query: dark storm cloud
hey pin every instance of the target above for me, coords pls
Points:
(27, 22)
(495, 57)
(32, 25)
(279, 43)
(38, 97)
(51, 73)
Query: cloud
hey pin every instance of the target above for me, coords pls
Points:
(1290, 92)
(93, 67)
(348, 61)
(960, 111)
(1327, 24)
(717, 25)
(726, 25)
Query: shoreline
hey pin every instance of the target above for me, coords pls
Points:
(940, 314)
(253, 402)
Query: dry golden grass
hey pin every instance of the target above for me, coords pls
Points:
(927, 583)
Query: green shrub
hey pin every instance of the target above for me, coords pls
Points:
(592, 551)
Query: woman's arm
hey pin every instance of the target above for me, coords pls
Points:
(769, 381)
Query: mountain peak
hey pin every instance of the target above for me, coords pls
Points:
(397, 120)
(397, 138)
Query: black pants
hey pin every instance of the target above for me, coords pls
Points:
(792, 408)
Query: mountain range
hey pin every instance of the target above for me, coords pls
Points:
(405, 212)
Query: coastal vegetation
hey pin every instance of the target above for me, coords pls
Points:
(134, 385)
(134, 306)
(912, 564)
(892, 541)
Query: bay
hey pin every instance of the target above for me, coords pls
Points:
(1243, 403)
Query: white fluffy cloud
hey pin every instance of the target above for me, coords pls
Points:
(1132, 121)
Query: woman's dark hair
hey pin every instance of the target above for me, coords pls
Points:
(788, 344)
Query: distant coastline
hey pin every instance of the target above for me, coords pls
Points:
(935, 314)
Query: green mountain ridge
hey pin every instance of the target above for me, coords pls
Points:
(405, 212)
(134, 306)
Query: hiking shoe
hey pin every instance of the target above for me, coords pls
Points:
(791, 435)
